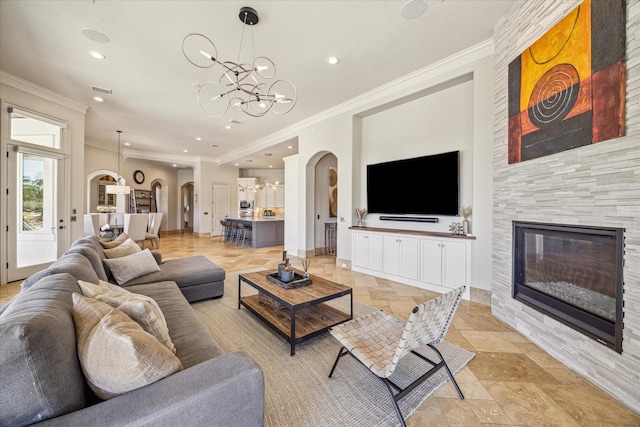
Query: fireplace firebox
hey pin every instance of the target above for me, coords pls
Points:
(573, 274)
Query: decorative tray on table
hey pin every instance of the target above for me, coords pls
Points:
(297, 282)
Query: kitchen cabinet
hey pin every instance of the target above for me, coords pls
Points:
(270, 197)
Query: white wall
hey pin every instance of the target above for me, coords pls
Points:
(205, 174)
(439, 122)
(450, 103)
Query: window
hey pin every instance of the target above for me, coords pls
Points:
(34, 129)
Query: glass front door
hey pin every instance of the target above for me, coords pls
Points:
(36, 211)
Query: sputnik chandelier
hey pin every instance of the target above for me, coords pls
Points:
(258, 186)
(243, 87)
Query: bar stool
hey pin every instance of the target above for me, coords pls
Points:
(241, 230)
(232, 228)
(244, 229)
(224, 225)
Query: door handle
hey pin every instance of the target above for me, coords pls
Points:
(60, 228)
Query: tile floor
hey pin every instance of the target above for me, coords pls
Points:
(510, 382)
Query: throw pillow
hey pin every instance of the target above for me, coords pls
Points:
(141, 308)
(129, 267)
(127, 248)
(117, 242)
(115, 353)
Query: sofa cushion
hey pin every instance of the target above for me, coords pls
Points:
(127, 268)
(193, 341)
(141, 308)
(73, 263)
(116, 354)
(95, 258)
(128, 247)
(115, 242)
(40, 374)
(189, 271)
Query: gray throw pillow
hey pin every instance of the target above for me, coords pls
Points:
(129, 267)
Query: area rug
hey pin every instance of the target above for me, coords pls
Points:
(298, 391)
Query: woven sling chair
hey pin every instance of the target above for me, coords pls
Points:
(379, 341)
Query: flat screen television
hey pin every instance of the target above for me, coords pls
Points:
(425, 185)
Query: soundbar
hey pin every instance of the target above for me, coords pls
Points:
(409, 218)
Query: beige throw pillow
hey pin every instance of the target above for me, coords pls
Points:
(129, 267)
(128, 247)
(115, 353)
(141, 308)
(114, 243)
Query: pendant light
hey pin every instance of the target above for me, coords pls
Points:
(119, 187)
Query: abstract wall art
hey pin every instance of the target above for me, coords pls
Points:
(567, 89)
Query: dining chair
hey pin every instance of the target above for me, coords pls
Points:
(155, 220)
(135, 226)
(380, 341)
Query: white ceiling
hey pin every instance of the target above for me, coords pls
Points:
(154, 87)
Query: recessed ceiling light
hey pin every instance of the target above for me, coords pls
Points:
(227, 127)
(333, 60)
(97, 55)
(98, 98)
(127, 144)
(94, 35)
(198, 139)
(413, 9)
(290, 147)
(236, 164)
(270, 166)
(186, 151)
(174, 165)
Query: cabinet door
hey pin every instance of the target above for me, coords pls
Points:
(391, 255)
(454, 264)
(360, 252)
(409, 257)
(280, 197)
(431, 265)
(374, 248)
(367, 251)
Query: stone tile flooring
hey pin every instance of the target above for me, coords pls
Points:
(510, 382)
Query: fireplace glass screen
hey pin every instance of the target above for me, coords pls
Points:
(573, 274)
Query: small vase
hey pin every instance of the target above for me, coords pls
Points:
(466, 227)
(361, 223)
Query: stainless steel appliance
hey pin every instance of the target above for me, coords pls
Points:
(267, 212)
(245, 204)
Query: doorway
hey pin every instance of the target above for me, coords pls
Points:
(187, 207)
(326, 205)
(36, 227)
(220, 207)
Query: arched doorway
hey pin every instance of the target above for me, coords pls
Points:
(96, 195)
(325, 204)
(161, 190)
(186, 207)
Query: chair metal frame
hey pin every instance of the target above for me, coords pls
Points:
(406, 346)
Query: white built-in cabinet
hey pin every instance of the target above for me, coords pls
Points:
(400, 256)
(427, 260)
(367, 251)
(443, 262)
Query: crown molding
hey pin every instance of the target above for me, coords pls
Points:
(413, 82)
(39, 91)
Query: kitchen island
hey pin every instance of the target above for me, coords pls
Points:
(265, 230)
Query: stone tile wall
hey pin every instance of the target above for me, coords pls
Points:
(595, 185)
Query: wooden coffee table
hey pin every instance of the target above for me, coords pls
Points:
(305, 314)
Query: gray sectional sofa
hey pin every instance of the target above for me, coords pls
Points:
(41, 379)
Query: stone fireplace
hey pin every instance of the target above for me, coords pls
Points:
(573, 274)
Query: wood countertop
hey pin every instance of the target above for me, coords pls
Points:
(414, 232)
